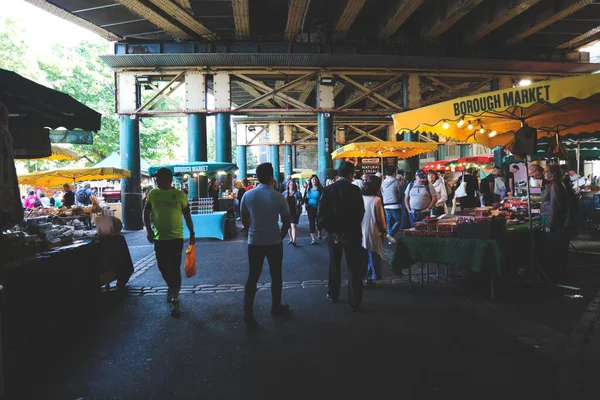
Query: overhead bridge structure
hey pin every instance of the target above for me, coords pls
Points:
(298, 73)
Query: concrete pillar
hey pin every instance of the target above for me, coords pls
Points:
(197, 151)
(325, 134)
(242, 162)
(325, 101)
(131, 190)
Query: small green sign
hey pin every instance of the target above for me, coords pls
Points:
(72, 137)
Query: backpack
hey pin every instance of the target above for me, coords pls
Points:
(426, 184)
(82, 196)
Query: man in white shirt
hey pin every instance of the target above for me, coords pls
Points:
(260, 210)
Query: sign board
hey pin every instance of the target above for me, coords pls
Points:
(370, 166)
(72, 137)
(190, 169)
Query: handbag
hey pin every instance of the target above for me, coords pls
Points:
(461, 191)
(190, 261)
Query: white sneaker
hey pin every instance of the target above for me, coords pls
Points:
(391, 239)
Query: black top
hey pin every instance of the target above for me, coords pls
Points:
(341, 209)
(68, 199)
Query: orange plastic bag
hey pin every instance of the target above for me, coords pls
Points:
(190, 261)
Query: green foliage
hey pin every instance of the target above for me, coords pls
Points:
(79, 72)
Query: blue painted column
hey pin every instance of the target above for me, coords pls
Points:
(223, 145)
(197, 151)
(325, 147)
(498, 156)
(274, 157)
(131, 190)
(242, 162)
(464, 150)
(442, 152)
(287, 160)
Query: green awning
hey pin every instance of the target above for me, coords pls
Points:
(199, 167)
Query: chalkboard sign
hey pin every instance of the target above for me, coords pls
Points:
(371, 166)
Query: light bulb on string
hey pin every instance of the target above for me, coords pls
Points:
(445, 125)
(461, 122)
(481, 130)
(470, 126)
(493, 133)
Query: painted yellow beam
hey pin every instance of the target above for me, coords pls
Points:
(186, 5)
(547, 18)
(296, 13)
(348, 17)
(59, 12)
(241, 18)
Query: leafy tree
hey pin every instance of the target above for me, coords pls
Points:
(15, 54)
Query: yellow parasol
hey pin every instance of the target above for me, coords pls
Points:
(62, 154)
(304, 174)
(383, 149)
(59, 177)
(567, 106)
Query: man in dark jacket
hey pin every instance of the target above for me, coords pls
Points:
(341, 211)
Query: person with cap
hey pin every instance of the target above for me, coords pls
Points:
(261, 210)
(420, 198)
(163, 212)
(341, 211)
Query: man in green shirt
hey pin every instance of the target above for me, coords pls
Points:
(163, 212)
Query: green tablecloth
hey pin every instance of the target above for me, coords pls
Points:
(474, 255)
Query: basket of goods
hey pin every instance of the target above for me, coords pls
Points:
(421, 226)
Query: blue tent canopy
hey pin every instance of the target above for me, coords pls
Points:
(196, 167)
(114, 161)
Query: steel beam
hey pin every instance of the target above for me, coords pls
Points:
(502, 12)
(241, 18)
(184, 17)
(547, 18)
(372, 92)
(131, 190)
(59, 12)
(253, 92)
(296, 14)
(165, 96)
(454, 11)
(582, 39)
(308, 89)
(185, 5)
(275, 92)
(348, 17)
(141, 9)
(376, 97)
(404, 9)
(160, 92)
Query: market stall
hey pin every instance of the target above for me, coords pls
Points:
(48, 274)
(210, 220)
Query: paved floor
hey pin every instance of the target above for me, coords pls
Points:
(445, 341)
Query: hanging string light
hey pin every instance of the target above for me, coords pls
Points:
(461, 122)
(445, 125)
(470, 126)
(492, 133)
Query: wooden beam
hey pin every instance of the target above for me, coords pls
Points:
(184, 18)
(547, 18)
(139, 8)
(59, 12)
(581, 40)
(404, 9)
(241, 18)
(296, 13)
(348, 17)
(253, 92)
(454, 10)
(495, 15)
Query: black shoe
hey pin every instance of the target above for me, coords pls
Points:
(175, 309)
(332, 298)
(249, 320)
(280, 311)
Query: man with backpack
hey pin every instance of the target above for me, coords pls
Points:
(420, 198)
(84, 195)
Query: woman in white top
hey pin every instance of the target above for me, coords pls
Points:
(440, 188)
(373, 228)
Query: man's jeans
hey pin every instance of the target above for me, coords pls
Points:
(393, 218)
(256, 258)
(417, 216)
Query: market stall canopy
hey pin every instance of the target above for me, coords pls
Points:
(303, 174)
(567, 105)
(49, 107)
(439, 165)
(199, 167)
(384, 149)
(114, 161)
(58, 177)
(58, 154)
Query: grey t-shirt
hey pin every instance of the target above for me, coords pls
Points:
(420, 197)
(264, 205)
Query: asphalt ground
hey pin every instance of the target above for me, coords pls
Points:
(446, 340)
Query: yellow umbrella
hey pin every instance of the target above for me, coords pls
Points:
(567, 105)
(61, 176)
(62, 154)
(304, 174)
(384, 149)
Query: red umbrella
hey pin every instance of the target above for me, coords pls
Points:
(487, 159)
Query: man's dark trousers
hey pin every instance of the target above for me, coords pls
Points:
(356, 269)
(256, 257)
